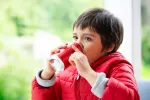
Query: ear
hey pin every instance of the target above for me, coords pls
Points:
(110, 48)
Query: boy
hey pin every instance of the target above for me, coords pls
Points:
(97, 73)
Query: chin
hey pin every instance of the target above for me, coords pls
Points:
(91, 61)
(94, 59)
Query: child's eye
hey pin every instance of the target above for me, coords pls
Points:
(88, 39)
(75, 37)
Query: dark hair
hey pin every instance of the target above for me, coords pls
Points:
(103, 22)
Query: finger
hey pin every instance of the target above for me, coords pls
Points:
(52, 52)
(72, 63)
(75, 48)
(49, 62)
(71, 60)
(59, 49)
(63, 46)
(74, 58)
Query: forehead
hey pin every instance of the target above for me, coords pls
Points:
(86, 31)
(79, 29)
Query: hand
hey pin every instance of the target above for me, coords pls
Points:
(80, 61)
(59, 49)
(48, 71)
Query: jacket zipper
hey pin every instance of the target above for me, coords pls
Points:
(78, 77)
(77, 87)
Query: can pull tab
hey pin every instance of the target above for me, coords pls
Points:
(78, 76)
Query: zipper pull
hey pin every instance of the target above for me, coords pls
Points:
(78, 76)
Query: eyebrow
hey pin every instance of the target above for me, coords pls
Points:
(85, 34)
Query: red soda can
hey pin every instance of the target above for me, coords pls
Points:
(61, 61)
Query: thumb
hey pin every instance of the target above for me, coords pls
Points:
(72, 63)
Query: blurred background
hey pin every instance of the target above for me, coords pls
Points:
(30, 29)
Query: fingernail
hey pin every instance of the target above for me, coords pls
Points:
(57, 51)
(66, 43)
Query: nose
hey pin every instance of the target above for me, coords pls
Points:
(79, 41)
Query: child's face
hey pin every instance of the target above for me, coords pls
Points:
(91, 42)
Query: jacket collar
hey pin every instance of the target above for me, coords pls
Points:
(112, 58)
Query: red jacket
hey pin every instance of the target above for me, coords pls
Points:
(121, 84)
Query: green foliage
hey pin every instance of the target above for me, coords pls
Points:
(145, 72)
(146, 45)
(23, 18)
(19, 17)
(14, 84)
(18, 70)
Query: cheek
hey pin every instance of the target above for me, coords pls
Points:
(92, 54)
(87, 48)
(90, 50)
(93, 51)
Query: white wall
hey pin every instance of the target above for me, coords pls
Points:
(129, 13)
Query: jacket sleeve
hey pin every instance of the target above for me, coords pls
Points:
(46, 93)
(121, 85)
